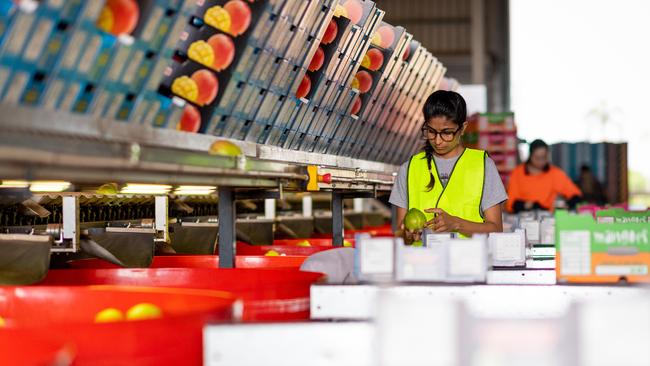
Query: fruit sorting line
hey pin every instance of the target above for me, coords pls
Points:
(88, 151)
(320, 96)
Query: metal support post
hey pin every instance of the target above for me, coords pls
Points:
(337, 219)
(307, 205)
(227, 230)
(393, 218)
(337, 212)
(269, 208)
(161, 219)
(358, 205)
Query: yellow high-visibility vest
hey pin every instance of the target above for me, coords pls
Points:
(461, 196)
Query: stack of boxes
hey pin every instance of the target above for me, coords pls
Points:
(495, 133)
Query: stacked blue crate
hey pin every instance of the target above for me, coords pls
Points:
(423, 80)
(152, 108)
(326, 130)
(392, 52)
(281, 64)
(302, 119)
(32, 48)
(135, 64)
(56, 57)
(289, 47)
(270, 60)
(338, 96)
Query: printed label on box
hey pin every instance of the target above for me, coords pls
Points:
(376, 256)
(575, 252)
(507, 247)
(467, 259)
(532, 230)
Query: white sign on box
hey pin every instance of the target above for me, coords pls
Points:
(374, 258)
(430, 238)
(468, 259)
(547, 231)
(422, 264)
(532, 230)
(508, 249)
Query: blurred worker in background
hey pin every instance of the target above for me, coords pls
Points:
(458, 189)
(535, 184)
(592, 190)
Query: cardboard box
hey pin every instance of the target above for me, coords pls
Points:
(591, 252)
(508, 249)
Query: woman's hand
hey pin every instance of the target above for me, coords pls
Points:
(443, 222)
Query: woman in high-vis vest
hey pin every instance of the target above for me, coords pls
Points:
(459, 189)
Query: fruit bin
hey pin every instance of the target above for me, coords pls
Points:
(288, 250)
(201, 261)
(313, 242)
(67, 313)
(267, 294)
(30, 347)
(381, 230)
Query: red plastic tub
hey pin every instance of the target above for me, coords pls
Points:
(382, 230)
(30, 347)
(288, 250)
(67, 314)
(314, 242)
(267, 294)
(201, 261)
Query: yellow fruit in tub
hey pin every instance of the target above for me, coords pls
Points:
(143, 311)
(109, 315)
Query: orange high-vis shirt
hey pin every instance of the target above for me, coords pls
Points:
(541, 188)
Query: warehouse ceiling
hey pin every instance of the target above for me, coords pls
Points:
(471, 37)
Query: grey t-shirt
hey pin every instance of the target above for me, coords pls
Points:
(493, 191)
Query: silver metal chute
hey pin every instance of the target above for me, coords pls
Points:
(194, 237)
(24, 258)
(123, 229)
(132, 248)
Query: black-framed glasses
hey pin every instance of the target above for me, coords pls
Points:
(446, 135)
